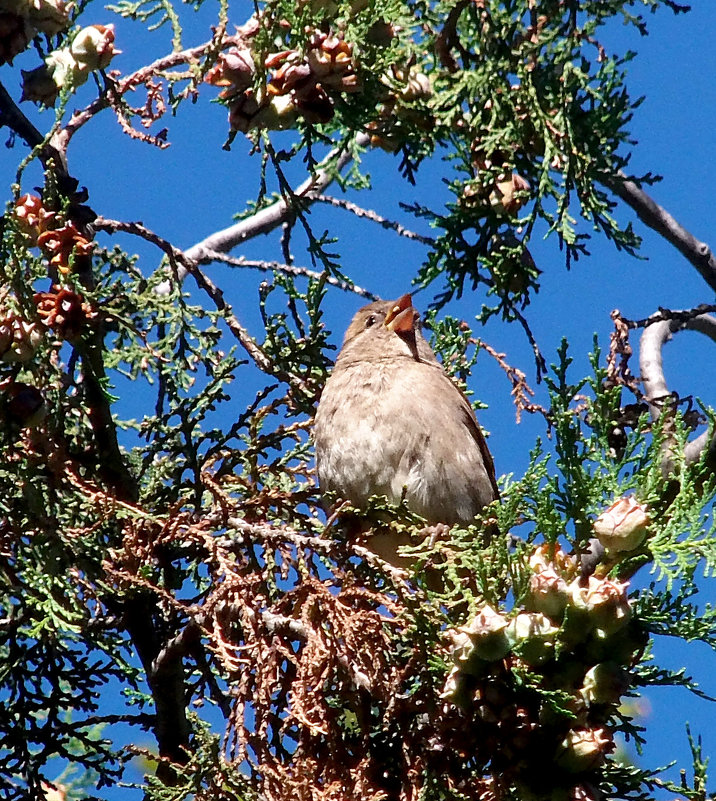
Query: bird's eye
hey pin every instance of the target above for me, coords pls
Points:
(372, 320)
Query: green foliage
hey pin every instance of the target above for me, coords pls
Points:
(694, 789)
(670, 614)
(161, 535)
(206, 776)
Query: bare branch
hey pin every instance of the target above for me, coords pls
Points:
(12, 118)
(266, 220)
(180, 645)
(177, 646)
(679, 315)
(657, 218)
(540, 362)
(275, 215)
(656, 391)
(331, 548)
(119, 88)
(521, 391)
(16, 121)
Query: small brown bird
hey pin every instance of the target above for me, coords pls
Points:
(390, 422)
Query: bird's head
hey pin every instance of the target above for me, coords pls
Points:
(385, 329)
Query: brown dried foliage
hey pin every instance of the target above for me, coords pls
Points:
(620, 351)
(521, 390)
(64, 311)
(323, 683)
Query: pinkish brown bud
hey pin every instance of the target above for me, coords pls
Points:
(330, 61)
(234, 69)
(64, 244)
(584, 749)
(603, 602)
(93, 47)
(548, 593)
(623, 526)
(315, 106)
(509, 195)
(31, 216)
(275, 59)
(293, 73)
(548, 555)
(64, 311)
(242, 112)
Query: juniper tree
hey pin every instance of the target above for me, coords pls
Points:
(174, 595)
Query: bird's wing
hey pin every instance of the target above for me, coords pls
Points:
(479, 437)
(473, 426)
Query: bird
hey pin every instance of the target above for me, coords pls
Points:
(391, 422)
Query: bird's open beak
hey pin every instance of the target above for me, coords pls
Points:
(401, 318)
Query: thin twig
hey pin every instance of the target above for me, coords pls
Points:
(15, 120)
(620, 351)
(288, 269)
(331, 548)
(521, 391)
(678, 315)
(368, 214)
(177, 646)
(540, 362)
(61, 139)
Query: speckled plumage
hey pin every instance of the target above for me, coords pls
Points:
(390, 422)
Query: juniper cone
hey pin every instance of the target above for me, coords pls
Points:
(390, 422)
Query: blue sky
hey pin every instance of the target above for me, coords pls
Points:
(194, 187)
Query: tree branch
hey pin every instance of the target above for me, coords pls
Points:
(181, 262)
(273, 216)
(112, 467)
(368, 214)
(656, 391)
(140, 614)
(11, 117)
(119, 88)
(678, 315)
(658, 219)
(288, 269)
(143, 620)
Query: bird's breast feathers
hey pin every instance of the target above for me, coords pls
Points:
(382, 431)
